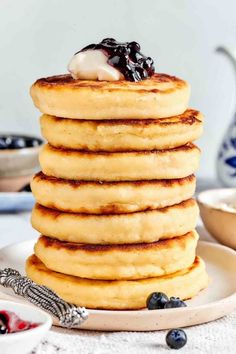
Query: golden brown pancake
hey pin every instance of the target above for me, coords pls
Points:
(122, 135)
(160, 96)
(118, 294)
(148, 226)
(110, 197)
(119, 166)
(113, 262)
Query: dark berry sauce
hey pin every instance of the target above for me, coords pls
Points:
(11, 323)
(125, 57)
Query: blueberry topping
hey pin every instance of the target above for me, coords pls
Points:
(175, 302)
(18, 142)
(109, 41)
(125, 57)
(176, 338)
(134, 46)
(157, 301)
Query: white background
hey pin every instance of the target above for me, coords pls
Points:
(38, 37)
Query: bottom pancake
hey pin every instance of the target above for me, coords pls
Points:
(112, 262)
(118, 294)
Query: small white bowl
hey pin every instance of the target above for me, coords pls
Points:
(217, 215)
(25, 341)
(17, 166)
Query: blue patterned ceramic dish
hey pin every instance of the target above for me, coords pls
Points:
(226, 159)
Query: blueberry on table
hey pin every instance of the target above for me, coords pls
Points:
(156, 301)
(174, 302)
(176, 338)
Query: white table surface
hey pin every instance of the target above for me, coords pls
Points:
(216, 337)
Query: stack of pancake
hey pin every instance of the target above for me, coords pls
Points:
(114, 196)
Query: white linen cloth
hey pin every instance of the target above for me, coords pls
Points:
(218, 337)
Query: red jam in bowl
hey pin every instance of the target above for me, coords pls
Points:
(11, 323)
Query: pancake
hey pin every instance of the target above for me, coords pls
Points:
(118, 294)
(112, 262)
(140, 227)
(158, 97)
(122, 135)
(110, 197)
(119, 166)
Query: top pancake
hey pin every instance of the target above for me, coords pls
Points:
(160, 96)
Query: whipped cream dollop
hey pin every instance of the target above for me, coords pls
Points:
(92, 65)
(111, 61)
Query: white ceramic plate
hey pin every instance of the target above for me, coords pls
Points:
(214, 302)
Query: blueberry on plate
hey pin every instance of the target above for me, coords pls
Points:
(156, 301)
(174, 302)
(176, 338)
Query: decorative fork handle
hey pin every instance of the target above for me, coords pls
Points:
(68, 314)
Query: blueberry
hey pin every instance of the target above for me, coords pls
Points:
(17, 143)
(156, 301)
(122, 50)
(8, 141)
(134, 46)
(176, 338)
(35, 142)
(32, 142)
(175, 302)
(3, 144)
(108, 40)
(147, 64)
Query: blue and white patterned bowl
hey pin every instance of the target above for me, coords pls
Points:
(226, 159)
